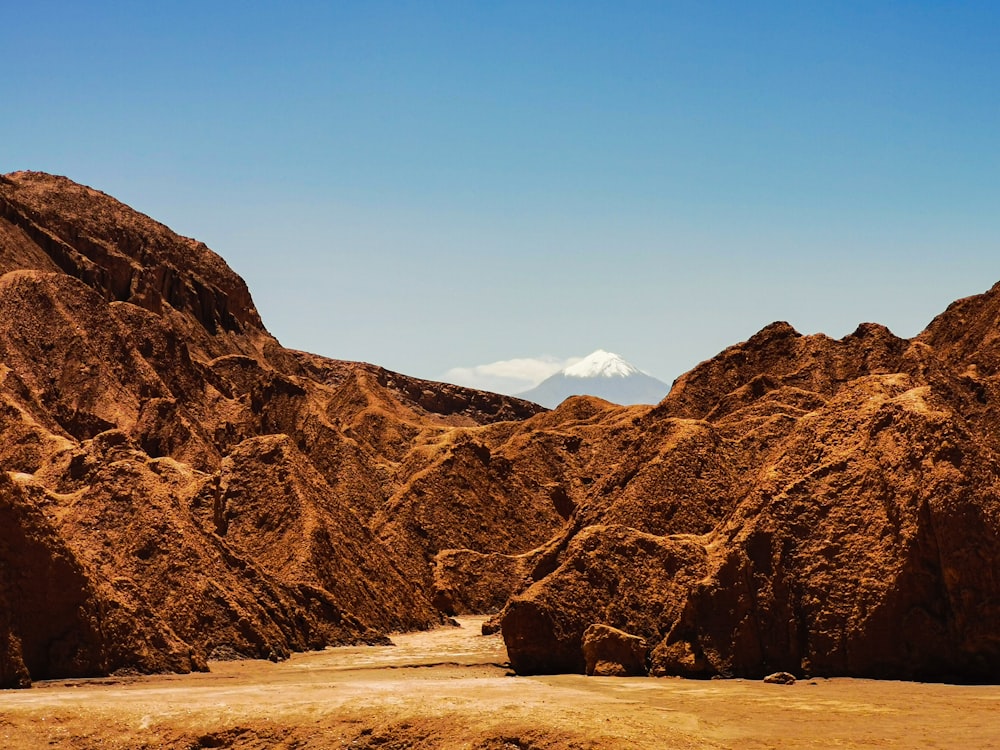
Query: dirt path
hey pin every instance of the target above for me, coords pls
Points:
(449, 688)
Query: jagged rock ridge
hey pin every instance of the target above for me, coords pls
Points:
(796, 504)
(176, 485)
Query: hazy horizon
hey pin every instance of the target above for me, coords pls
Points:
(455, 186)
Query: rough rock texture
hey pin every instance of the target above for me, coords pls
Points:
(780, 678)
(466, 581)
(49, 614)
(610, 652)
(837, 504)
(607, 574)
(175, 484)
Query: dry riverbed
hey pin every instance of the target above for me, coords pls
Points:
(450, 688)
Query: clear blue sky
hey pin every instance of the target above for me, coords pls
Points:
(427, 185)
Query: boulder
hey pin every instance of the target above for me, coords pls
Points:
(633, 581)
(780, 678)
(610, 652)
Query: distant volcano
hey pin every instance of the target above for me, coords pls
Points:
(600, 374)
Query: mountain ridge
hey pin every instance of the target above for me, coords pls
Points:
(177, 485)
(141, 402)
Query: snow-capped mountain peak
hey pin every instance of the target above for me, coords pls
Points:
(601, 364)
(600, 374)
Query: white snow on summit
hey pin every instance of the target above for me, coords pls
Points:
(601, 374)
(550, 380)
(601, 364)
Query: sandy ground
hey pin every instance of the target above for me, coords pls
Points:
(450, 688)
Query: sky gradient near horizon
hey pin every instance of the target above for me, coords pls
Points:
(430, 186)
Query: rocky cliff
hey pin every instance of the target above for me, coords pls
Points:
(797, 503)
(175, 483)
(176, 486)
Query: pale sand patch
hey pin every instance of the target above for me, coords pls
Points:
(449, 688)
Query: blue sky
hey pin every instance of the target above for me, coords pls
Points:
(437, 185)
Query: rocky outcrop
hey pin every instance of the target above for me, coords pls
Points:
(175, 485)
(304, 534)
(780, 678)
(848, 537)
(122, 255)
(846, 558)
(50, 616)
(466, 581)
(779, 356)
(183, 486)
(610, 652)
(607, 574)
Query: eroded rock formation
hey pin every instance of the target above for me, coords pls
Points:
(824, 507)
(176, 485)
(610, 652)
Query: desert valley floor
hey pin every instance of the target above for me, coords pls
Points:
(450, 688)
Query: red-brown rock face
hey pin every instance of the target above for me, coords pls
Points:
(49, 613)
(175, 485)
(839, 508)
